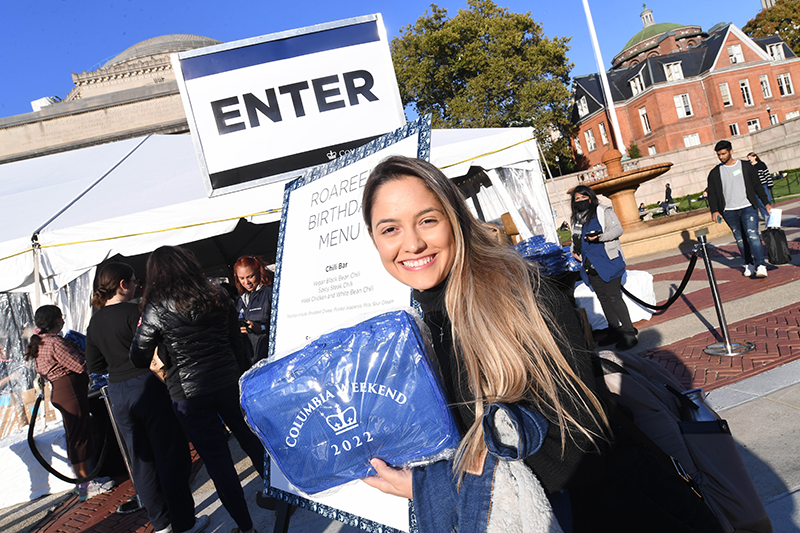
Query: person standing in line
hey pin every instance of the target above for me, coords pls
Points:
(596, 245)
(160, 460)
(766, 181)
(197, 323)
(733, 194)
(63, 364)
(254, 304)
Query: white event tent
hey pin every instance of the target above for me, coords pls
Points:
(132, 196)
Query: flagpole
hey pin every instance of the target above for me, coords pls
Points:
(612, 112)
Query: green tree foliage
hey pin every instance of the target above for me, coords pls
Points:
(633, 151)
(783, 18)
(486, 68)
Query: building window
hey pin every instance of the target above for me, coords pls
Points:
(746, 95)
(776, 51)
(792, 114)
(603, 133)
(753, 125)
(785, 84)
(673, 71)
(726, 94)
(645, 120)
(590, 144)
(578, 149)
(651, 150)
(773, 119)
(735, 54)
(683, 105)
(765, 90)
(637, 84)
(693, 139)
(734, 128)
(583, 107)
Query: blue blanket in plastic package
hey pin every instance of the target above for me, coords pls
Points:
(357, 393)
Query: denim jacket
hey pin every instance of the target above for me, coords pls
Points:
(511, 433)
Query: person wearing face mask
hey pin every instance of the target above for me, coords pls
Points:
(595, 243)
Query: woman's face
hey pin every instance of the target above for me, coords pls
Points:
(412, 233)
(580, 196)
(752, 159)
(248, 277)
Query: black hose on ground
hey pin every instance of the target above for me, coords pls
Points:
(38, 456)
(674, 297)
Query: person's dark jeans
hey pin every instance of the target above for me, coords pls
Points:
(159, 451)
(614, 308)
(200, 417)
(744, 225)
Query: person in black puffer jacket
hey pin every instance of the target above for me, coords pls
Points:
(197, 324)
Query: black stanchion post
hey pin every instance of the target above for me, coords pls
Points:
(726, 348)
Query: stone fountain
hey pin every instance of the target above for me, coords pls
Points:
(647, 237)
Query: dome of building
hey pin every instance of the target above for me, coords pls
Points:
(166, 44)
(652, 31)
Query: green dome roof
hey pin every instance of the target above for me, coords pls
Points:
(652, 31)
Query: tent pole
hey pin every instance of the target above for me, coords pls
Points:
(36, 274)
(92, 186)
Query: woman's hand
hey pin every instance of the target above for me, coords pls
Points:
(390, 480)
(593, 238)
(577, 257)
(250, 327)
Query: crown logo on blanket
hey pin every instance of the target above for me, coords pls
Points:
(343, 420)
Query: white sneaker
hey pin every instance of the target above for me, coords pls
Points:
(748, 271)
(761, 271)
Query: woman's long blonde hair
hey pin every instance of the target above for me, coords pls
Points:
(498, 326)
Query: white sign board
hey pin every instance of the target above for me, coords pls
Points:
(327, 273)
(266, 109)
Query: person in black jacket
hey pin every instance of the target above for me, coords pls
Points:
(734, 191)
(503, 334)
(160, 460)
(197, 323)
(254, 304)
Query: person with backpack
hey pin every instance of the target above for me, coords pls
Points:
(506, 340)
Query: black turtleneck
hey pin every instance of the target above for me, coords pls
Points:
(555, 471)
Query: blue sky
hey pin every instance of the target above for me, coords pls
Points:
(42, 43)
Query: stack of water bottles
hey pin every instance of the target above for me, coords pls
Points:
(552, 258)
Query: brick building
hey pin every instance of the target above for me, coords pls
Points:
(675, 86)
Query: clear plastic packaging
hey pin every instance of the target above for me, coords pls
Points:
(353, 394)
(552, 258)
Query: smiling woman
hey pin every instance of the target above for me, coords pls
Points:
(484, 298)
(412, 233)
(511, 353)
